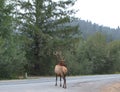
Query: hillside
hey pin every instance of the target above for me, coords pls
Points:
(88, 28)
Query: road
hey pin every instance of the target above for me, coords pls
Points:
(46, 84)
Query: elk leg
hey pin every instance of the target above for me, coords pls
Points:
(60, 81)
(64, 78)
(56, 80)
(65, 82)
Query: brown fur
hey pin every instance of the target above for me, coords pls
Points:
(61, 70)
(61, 63)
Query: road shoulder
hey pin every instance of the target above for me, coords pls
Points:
(112, 87)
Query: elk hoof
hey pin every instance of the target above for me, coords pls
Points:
(60, 85)
(65, 87)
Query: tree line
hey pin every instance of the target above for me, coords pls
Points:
(31, 30)
(88, 28)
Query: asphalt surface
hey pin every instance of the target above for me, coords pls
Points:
(47, 84)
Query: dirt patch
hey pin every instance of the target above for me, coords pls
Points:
(114, 87)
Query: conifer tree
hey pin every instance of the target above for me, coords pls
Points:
(12, 58)
(45, 24)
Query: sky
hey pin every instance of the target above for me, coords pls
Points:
(102, 12)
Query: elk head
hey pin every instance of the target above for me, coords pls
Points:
(59, 55)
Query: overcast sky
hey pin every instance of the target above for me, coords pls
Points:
(103, 12)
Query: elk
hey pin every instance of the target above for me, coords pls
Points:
(60, 69)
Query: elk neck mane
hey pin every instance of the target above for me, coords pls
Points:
(61, 63)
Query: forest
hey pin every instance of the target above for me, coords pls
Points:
(32, 30)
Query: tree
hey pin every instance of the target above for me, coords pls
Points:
(96, 52)
(11, 56)
(113, 56)
(45, 27)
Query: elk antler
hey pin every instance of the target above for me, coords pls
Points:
(59, 56)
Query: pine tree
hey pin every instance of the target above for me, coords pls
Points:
(11, 56)
(46, 27)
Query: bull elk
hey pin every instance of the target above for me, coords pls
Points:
(60, 69)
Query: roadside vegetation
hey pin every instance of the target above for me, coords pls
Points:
(31, 30)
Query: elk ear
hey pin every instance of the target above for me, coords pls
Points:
(59, 55)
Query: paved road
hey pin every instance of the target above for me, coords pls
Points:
(74, 84)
